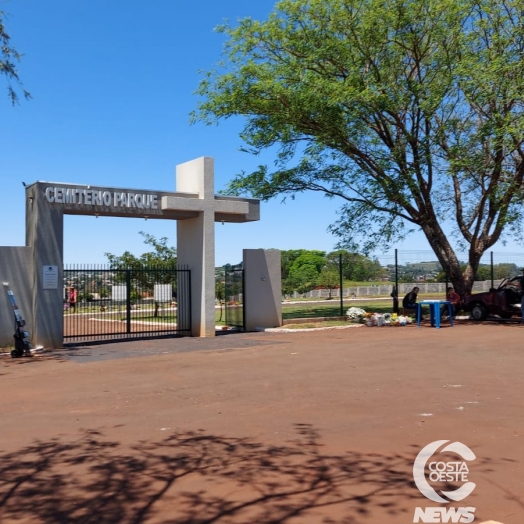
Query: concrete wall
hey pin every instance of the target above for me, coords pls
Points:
(262, 288)
(16, 267)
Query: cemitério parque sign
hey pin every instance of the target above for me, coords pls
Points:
(100, 197)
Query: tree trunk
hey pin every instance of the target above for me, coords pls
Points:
(461, 281)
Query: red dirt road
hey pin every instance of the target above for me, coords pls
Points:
(317, 427)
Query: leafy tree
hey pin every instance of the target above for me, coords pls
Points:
(357, 267)
(329, 278)
(366, 269)
(162, 255)
(405, 279)
(293, 277)
(87, 297)
(483, 273)
(8, 58)
(303, 278)
(313, 258)
(504, 270)
(220, 291)
(287, 258)
(153, 267)
(500, 271)
(220, 295)
(333, 259)
(411, 112)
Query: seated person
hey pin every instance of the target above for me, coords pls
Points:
(455, 301)
(410, 299)
(394, 296)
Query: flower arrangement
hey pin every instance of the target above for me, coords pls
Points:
(355, 314)
(371, 319)
(375, 319)
(400, 320)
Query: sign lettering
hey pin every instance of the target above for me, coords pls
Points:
(98, 197)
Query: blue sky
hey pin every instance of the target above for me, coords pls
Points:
(113, 84)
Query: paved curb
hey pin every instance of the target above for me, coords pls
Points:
(301, 330)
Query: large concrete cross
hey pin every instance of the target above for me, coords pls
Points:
(196, 235)
(194, 205)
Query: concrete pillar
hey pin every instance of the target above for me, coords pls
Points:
(262, 288)
(45, 233)
(196, 243)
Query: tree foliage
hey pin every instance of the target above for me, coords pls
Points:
(9, 56)
(410, 112)
(303, 270)
(300, 269)
(303, 278)
(329, 278)
(152, 267)
(357, 267)
(500, 271)
(161, 256)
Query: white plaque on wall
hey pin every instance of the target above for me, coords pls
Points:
(50, 274)
(119, 293)
(163, 293)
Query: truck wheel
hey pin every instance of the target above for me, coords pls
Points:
(479, 312)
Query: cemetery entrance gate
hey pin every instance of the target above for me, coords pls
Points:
(126, 303)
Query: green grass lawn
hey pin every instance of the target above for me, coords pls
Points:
(311, 325)
(304, 308)
(290, 311)
(332, 308)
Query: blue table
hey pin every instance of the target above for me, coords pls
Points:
(434, 311)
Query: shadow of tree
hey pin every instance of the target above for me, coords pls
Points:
(195, 477)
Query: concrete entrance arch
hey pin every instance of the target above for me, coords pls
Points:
(194, 205)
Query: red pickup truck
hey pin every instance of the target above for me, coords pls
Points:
(503, 301)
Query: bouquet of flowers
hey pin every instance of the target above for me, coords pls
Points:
(400, 320)
(371, 319)
(355, 314)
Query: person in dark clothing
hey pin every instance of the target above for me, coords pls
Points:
(394, 296)
(410, 299)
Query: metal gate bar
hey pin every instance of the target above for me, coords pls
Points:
(126, 303)
(234, 297)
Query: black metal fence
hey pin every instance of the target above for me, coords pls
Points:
(234, 297)
(375, 277)
(102, 303)
(420, 266)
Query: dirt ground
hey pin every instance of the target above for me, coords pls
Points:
(308, 427)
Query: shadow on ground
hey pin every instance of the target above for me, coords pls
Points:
(195, 477)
